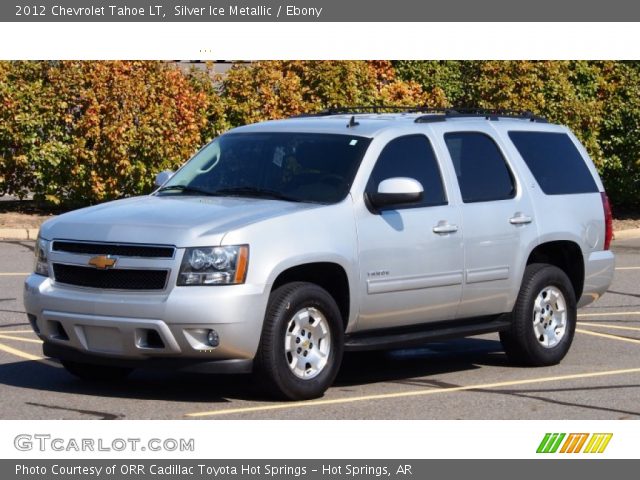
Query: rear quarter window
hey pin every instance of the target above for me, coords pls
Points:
(555, 162)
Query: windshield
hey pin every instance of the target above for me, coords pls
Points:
(300, 167)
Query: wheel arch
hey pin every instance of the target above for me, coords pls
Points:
(328, 275)
(567, 256)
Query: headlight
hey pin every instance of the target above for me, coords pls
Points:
(214, 265)
(41, 266)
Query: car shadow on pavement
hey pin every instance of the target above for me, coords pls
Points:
(140, 385)
(411, 366)
(402, 366)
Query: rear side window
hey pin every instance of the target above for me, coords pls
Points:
(555, 162)
(410, 156)
(481, 169)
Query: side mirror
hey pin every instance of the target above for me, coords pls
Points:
(163, 177)
(396, 191)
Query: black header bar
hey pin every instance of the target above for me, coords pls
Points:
(321, 11)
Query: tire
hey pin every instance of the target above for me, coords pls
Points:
(297, 314)
(96, 373)
(543, 319)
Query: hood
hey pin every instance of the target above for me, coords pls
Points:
(173, 220)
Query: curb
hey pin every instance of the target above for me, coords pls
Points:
(32, 234)
(18, 233)
(626, 234)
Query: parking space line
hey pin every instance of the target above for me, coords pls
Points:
(20, 339)
(13, 274)
(604, 325)
(609, 336)
(27, 356)
(604, 314)
(15, 331)
(19, 353)
(411, 393)
(627, 268)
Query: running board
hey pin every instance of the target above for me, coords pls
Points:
(413, 336)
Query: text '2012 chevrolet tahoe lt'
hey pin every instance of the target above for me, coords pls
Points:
(282, 244)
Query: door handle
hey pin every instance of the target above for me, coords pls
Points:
(520, 219)
(444, 227)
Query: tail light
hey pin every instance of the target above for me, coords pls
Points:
(608, 221)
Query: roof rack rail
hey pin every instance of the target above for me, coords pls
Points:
(487, 113)
(431, 114)
(360, 109)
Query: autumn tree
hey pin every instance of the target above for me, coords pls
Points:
(83, 132)
(277, 89)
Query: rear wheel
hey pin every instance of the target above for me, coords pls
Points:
(96, 373)
(302, 342)
(543, 318)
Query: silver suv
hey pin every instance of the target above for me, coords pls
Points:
(282, 244)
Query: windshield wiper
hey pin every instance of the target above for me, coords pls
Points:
(186, 189)
(257, 193)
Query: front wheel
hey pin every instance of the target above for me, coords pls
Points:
(543, 318)
(302, 342)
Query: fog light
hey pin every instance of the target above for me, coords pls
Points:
(212, 338)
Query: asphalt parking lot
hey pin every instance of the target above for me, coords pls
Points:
(468, 378)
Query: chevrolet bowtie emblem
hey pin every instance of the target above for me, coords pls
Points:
(103, 262)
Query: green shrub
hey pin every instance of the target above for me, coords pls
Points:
(83, 132)
(598, 100)
(277, 89)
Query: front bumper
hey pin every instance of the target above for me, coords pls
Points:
(193, 365)
(136, 327)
